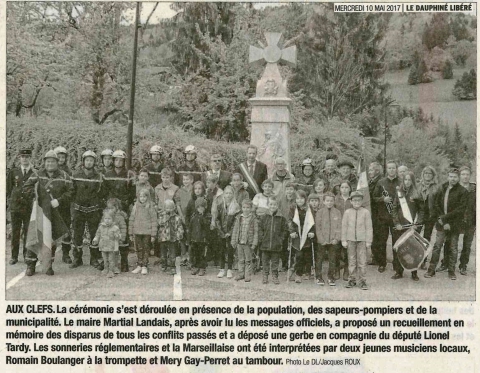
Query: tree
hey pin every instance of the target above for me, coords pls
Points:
(340, 62)
(213, 99)
(466, 87)
(436, 33)
(447, 72)
(192, 21)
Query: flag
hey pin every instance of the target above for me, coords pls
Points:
(307, 225)
(362, 185)
(46, 225)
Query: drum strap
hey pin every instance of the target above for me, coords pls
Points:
(405, 209)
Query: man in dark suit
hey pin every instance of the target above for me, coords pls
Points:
(449, 206)
(224, 177)
(20, 207)
(254, 172)
(374, 175)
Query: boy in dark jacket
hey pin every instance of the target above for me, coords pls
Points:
(272, 232)
(449, 206)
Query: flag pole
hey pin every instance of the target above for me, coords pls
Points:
(132, 89)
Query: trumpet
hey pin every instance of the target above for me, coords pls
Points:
(389, 205)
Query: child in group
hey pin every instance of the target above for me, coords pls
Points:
(272, 230)
(213, 192)
(170, 232)
(181, 199)
(142, 228)
(107, 238)
(120, 220)
(165, 190)
(239, 191)
(245, 240)
(260, 201)
(328, 227)
(285, 204)
(342, 204)
(143, 183)
(313, 200)
(301, 226)
(320, 186)
(226, 210)
(198, 191)
(198, 224)
(357, 235)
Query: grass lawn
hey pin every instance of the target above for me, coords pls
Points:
(435, 98)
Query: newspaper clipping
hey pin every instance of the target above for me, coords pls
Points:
(239, 186)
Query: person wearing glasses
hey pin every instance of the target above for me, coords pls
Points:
(223, 177)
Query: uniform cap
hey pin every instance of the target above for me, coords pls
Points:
(119, 154)
(106, 152)
(25, 151)
(190, 149)
(89, 153)
(51, 154)
(307, 162)
(60, 150)
(156, 149)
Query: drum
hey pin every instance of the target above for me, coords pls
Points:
(411, 249)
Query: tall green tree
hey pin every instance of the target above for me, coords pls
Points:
(341, 62)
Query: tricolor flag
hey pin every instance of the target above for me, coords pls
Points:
(362, 185)
(46, 225)
(307, 225)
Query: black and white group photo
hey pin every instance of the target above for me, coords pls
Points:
(239, 152)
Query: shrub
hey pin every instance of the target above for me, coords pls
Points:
(466, 87)
(447, 72)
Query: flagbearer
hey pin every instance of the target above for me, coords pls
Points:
(59, 188)
(20, 208)
(88, 195)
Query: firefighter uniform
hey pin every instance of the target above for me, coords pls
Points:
(20, 207)
(154, 172)
(59, 186)
(88, 202)
(121, 185)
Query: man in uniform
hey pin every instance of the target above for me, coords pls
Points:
(190, 166)
(156, 166)
(59, 187)
(374, 175)
(20, 208)
(254, 172)
(224, 177)
(88, 196)
(383, 195)
(62, 159)
(106, 161)
(120, 182)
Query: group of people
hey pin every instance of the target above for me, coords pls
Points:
(278, 222)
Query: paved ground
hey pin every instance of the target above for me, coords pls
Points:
(87, 283)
